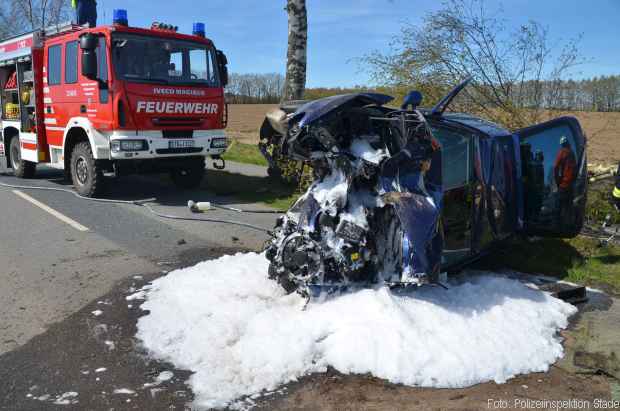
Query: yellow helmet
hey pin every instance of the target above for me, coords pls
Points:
(26, 97)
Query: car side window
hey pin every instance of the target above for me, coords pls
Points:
(54, 65)
(71, 68)
(456, 159)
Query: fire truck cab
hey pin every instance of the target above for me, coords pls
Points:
(112, 100)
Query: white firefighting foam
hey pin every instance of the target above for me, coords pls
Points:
(241, 335)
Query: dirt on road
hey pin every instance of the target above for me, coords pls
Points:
(334, 391)
(602, 129)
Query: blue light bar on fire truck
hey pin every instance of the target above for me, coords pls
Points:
(120, 17)
(199, 29)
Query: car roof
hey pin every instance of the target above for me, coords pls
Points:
(486, 127)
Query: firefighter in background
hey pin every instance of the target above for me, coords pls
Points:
(86, 12)
(564, 173)
(616, 191)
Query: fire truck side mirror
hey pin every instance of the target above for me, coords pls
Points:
(88, 44)
(223, 66)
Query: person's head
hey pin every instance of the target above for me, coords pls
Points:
(564, 142)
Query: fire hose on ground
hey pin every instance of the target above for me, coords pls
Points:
(145, 203)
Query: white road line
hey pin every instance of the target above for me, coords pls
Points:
(53, 212)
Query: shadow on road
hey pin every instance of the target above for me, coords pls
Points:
(223, 187)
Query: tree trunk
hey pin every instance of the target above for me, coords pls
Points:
(295, 81)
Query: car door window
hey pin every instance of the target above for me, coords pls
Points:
(456, 176)
(456, 152)
(54, 65)
(71, 66)
(554, 185)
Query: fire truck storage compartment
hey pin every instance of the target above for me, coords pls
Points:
(17, 100)
(17, 85)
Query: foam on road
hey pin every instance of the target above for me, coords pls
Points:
(241, 335)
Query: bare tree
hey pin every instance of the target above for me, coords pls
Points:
(18, 16)
(254, 88)
(295, 80)
(516, 73)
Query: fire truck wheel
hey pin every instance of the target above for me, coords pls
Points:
(190, 175)
(21, 168)
(86, 175)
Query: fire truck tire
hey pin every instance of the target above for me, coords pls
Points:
(190, 175)
(21, 168)
(87, 176)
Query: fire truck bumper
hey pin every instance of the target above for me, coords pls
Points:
(143, 145)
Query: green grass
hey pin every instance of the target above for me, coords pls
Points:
(252, 189)
(244, 153)
(601, 264)
(580, 260)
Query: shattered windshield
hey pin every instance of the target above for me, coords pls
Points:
(165, 61)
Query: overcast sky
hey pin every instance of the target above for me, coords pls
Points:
(253, 32)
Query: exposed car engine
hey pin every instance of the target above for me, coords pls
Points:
(371, 214)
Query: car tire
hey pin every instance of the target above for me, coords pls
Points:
(21, 168)
(189, 175)
(86, 174)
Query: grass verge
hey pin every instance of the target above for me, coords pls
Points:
(580, 260)
(244, 153)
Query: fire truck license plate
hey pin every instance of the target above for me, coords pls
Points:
(181, 144)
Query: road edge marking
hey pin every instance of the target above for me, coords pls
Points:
(51, 211)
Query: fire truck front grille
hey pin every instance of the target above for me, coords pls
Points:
(178, 133)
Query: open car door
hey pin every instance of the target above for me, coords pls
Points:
(554, 177)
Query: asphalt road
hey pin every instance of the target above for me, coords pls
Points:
(51, 265)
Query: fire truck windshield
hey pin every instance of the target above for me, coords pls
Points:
(150, 59)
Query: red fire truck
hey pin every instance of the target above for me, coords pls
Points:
(112, 100)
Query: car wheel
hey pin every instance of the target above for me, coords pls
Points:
(189, 175)
(21, 168)
(87, 176)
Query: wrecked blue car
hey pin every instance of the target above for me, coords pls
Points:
(402, 195)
